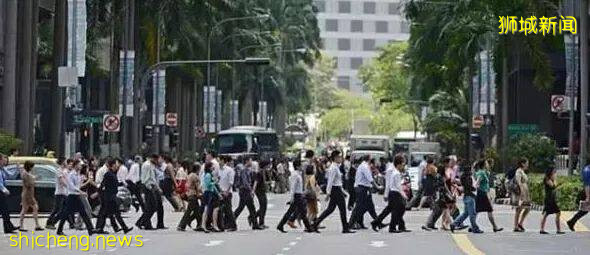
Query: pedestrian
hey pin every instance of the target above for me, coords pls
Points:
(243, 184)
(226, 183)
(193, 193)
(482, 199)
(440, 192)
(395, 197)
(335, 194)
(150, 191)
(60, 195)
(108, 193)
(297, 203)
(4, 193)
(167, 182)
(550, 201)
(260, 188)
(585, 201)
(364, 202)
(281, 182)
(28, 200)
(73, 202)
(428, 186)
(210, 196)
(133, 183)
(422, 173)
(350, 180)
(450, 192)
(311, 190)
(469, 201)
(181, 179)
(524, 198)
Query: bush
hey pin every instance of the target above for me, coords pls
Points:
(539, 150)
(491, 154)
(567, 191)
(8, 142)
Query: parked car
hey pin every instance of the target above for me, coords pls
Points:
(45, 170)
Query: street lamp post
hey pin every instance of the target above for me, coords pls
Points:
(209, 35)
(165, 64)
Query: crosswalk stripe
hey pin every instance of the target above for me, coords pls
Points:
(466, 245)
(565, 216)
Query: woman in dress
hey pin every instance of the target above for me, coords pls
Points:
(450, 193)
(28, 200)
(523, 198)
(181, 180)
(551, 206)
(482, 199)
(312, 191)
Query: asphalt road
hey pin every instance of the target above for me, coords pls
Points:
(331, 241)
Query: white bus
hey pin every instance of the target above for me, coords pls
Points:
(248, 141)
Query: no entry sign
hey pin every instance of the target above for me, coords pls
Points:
(171, 119)
(111, 123)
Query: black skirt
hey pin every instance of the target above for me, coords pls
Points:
(482, 202)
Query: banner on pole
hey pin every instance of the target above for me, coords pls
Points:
(126, 76)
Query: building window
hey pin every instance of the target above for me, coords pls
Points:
(369, 7)
(394, 9)
(320, 5)
(332, 25)
(344, 82)
(343, 44)
(356, 63)
(344, 7)
(381, 27)
(335, 61)
(356, 26)
(405, 27)
(368, 44)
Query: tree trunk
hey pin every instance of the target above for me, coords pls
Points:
(60, 41)
(9, 89)
(25, 67)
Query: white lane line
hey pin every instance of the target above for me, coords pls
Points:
(378, 244)
(112, 250)
(146, 240)
(214, 243)
(292, 243)
(298, 238)
(286, 249)
(269, 206)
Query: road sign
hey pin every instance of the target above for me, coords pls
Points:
(171, 119)
(111, 123)
(519, 129)
(561, 103)
(199, 132)
(478, 121)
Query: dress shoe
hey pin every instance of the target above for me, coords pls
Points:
(543, 232)
(199, 229)
(127, 230)
(405, 231)
(291, 224)
(280, 229)
(426, 228)
(571, 226)
(498, 230)
(560, 232)
(393, 231)
(61, 234)
(162, 227)
(348, 231)
(180, 229)
(478, 231)
(375, 226)
(101, 232)
(50, 227)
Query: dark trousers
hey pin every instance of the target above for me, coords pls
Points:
(336, 200)
(227, 215)
(415, 201)
(364, 203)
(351, 196)
(397, 211)
(159, 209)
(110, 209)
(192, 212)
(74, 205)
(60, 201)
(135, 190)
(8, 227)
(247, 201)
(435, 214)
(151, 205)
(297, 207)
(262, 202)
(167, 186)
(577, 217)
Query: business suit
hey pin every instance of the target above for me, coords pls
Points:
(109, 206)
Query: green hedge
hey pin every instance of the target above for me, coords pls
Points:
(8, 142)
(538, 149)
(567, 192)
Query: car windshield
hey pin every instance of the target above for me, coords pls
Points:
(232, 143)
(267, 142)
(41, 171)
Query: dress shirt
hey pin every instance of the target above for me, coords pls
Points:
(395, 181)
(73, 183)
(3, 188)
(100, 174)
(363, 176)
(226, 178)
(148, 175)
(334, 177)
(122, 174)
(60, 182)
(133, 174)
(389, 168)
(296, 183)
(160, 171)
(244, 178)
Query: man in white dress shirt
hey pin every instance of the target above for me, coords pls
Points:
(364, 202)
(226, 183)
(297, 206)
(396, 198)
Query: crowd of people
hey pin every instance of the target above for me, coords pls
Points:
(203, 191)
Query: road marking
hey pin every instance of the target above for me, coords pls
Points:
(286, 249)
(292, 243)
(378, 244)
(214, 243)
(111, 250)
(269, 206)
(298, 238)
(565, 216)
(466, 245)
